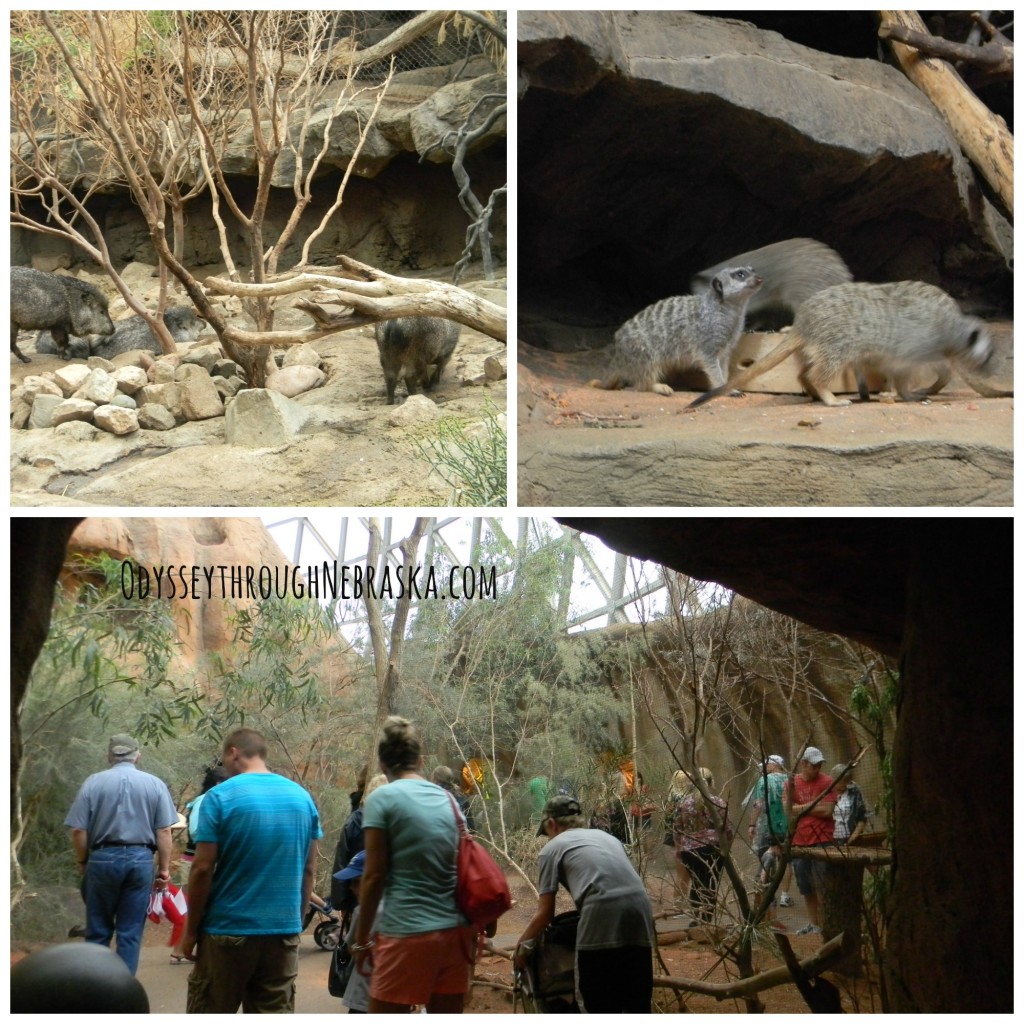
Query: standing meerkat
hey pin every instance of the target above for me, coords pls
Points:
(683, 332)
(891, 328)
(793, 271)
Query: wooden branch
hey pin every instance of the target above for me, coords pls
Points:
(818, 993)
(982, 135)
(820, 961)
(373, 295)
(487, 983)
(841, 854)
(402, 36)
(992, 56)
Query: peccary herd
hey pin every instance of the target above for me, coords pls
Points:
(65, 311)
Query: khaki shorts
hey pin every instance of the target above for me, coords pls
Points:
(256, 972)
(409, 969)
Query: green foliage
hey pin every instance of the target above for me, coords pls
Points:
(107, 666)
(874, 703)
(474, 465)
(99, 642)
(278, 649)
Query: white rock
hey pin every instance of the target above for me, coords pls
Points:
(301, 355)
(415, 409)
(116, 420)
(204, 355)
(493, 369)
(167, 395)
(162, 372)
(73, 409)
(227, 387)
(71, 377)
(130, 379)
(187, 370)
(124, 401)
(35, 385)
(294, 380)
(258, 418)
(99, 387)
(200, 399)
(42, 410)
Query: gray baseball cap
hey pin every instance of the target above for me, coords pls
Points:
(122, 744)
(559, 807)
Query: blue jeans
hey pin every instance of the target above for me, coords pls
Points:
(118, 885)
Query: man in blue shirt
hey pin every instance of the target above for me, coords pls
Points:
(119, 819)
(251, 877)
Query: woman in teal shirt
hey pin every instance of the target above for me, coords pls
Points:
(422, 949)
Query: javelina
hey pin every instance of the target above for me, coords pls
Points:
(418, 347)
(62, 304)
(133, 333)
(77, 348)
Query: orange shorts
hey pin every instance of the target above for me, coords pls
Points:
(409, 969)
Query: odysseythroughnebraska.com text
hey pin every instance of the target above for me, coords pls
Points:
(327, 581)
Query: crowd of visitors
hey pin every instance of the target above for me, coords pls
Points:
(251, 847)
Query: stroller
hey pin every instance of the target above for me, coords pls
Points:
(330, 927)
(548, 982)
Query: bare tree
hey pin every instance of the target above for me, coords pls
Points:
(155, 102)
(387, 651)
(719, 662)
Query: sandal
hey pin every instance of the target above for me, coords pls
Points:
(177, 959)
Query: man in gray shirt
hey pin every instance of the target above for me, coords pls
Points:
(614, 973)
(120, 818)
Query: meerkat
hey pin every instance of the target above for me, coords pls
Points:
(682, 332)
(792, 270)
(944, 375)
(888, 327)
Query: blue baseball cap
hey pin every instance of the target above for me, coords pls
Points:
(353, 869)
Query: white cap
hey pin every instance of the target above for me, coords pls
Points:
(777, 759)
(813, 756)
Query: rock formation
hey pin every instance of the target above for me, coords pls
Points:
(695, 138)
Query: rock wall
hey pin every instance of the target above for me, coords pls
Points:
(781, 683)
(408, 217)
(697, 138)
(204, 624)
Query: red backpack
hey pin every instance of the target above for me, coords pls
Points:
(481, 891)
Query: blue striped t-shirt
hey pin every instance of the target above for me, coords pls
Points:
(263, 825)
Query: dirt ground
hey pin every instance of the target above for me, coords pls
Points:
(351, 457)
(683, 954)
(580, 446)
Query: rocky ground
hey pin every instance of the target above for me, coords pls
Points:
(349, 454)
(579, 446)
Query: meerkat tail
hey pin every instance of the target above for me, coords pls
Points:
(781, 351)
(983, 389)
